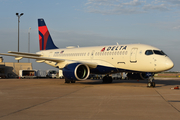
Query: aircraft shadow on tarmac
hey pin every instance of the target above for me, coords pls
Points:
(159, 82)
(168, 81)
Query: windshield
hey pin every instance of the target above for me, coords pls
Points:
(157, 52)
(149, 52)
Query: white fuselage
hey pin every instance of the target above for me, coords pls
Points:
(126, 57)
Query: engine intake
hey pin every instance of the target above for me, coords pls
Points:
(76, 71)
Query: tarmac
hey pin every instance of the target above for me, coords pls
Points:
(52, 99)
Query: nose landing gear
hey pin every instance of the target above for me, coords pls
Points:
(150, 79)
(150, 82)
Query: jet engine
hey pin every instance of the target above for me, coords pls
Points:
(140, 76)
(76, 71)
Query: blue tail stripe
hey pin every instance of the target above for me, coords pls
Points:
(41, 22)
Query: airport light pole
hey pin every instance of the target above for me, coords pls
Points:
(18, 15)
(29, 41)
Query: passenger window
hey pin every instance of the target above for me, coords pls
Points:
(149, 52)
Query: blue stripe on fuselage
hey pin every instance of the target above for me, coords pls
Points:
(109, 70)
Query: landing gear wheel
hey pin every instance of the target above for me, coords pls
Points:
(110, 79)
(73, 81)
(67, 81)
(151, 84)
(107, 79)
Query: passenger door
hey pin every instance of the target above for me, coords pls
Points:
(133, 55)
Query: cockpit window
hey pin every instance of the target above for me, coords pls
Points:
(158, 52)
(163, 53)
(149, 52)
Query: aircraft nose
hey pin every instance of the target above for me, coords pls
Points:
(169, 64)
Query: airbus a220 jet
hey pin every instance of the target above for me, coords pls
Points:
(77, 63)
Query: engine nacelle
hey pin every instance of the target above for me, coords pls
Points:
(140, 76)
(76, 71)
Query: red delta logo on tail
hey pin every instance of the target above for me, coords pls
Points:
(44, 37)
(45, 40)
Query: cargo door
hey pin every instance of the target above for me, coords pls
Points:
(133, 55)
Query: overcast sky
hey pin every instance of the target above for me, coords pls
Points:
(91, 23)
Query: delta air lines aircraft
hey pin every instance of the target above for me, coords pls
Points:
(77, 63)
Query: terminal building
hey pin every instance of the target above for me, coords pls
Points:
(11, 69)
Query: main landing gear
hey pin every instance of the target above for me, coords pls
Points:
(107, 79)
(150, 82)
(70, 81)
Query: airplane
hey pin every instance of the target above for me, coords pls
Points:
(77, 63)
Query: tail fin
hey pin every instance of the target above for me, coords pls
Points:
(45, 40)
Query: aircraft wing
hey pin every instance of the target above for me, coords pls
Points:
(38, 57)
(23, 53)
(18, 57)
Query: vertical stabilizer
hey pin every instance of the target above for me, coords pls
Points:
(45, 40)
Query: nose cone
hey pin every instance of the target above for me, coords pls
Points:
(169, 64)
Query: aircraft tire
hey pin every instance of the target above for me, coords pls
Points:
(153, 84)
(149, 84)
(110, 79)
(107, 79)
(67, 81)
(73, 81)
